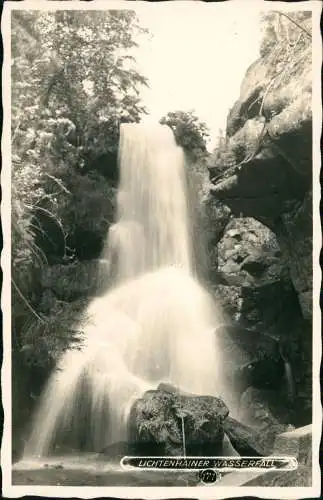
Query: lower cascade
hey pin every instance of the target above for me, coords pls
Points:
(155, 324)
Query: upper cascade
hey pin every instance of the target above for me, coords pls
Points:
(152, 228)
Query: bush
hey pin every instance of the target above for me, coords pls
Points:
(190, 133)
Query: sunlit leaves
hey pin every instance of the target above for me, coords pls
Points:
(189, 131)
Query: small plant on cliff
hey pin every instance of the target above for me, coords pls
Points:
(190, 133)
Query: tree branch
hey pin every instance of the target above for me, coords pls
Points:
(60, 184)
(296, 23)
(21, 295)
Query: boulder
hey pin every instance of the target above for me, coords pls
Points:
(155, 423)
(251, 273)
(260, 187)
(265, 411)
(244, 438)
(250, 93)
(249, 254)
(297, 443)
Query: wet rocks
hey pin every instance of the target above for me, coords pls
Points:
(214, 219)
(155, 423)
(251, 274)
(249, 254)
(294, 233)
(244, 439)
(265, 411)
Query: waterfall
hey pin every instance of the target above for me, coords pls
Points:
(152, 229)
(156, 323)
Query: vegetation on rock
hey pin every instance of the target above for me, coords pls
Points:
(190, 133)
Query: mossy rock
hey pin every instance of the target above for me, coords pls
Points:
(155, 423)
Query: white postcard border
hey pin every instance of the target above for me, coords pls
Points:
(215, 492)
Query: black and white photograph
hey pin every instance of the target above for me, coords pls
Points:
(161, 279)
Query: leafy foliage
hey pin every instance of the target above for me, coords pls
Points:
(73, 81)
(189, 131)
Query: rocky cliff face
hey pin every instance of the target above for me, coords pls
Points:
(261, 267)
(268, 175)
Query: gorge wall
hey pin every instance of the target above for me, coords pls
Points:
(258, 213)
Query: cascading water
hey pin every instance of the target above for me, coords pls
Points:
(152, 227)
(155, 324)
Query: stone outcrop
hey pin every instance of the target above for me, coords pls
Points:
(244, 439)
(249, 254)
(251, 273)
